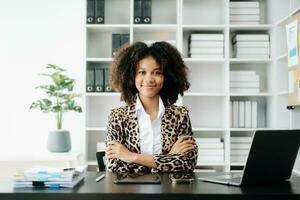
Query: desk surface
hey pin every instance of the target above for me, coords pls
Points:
(106, 189)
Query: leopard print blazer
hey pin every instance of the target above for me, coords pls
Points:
(123, 128)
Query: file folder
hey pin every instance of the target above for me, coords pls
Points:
(137, 18)
(106, 80)
(116, 39)
(99, 11)
(124, 39)
(147, 5)
(90, 79)
(99, 79)
(90, 12)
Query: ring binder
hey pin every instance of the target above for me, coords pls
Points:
(106, 79)
(99, 11)
(90, 13)
(116, 42)
(124, 39)
(137, 18)
(99, 79)
(147, 5)
(90, 78)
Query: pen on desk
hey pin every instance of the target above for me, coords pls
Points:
(100, 177)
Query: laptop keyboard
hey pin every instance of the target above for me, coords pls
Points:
(235, 178)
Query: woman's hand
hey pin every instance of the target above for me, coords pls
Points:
(182, 145)
(116, 150)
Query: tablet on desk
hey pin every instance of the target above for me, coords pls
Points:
(149, 178)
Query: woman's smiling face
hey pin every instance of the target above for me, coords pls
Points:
(149, 78)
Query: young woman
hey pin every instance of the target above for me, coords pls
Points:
(150, 131)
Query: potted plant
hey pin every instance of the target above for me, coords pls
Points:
(60, 99)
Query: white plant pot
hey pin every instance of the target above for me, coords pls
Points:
(59, 141)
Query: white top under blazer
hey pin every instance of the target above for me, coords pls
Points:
(150, 132)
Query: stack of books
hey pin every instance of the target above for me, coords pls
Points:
(243, 114)
(101, 146)
(52, 177)
(244, 12)
(255, 46)
(209, 46)
(246, 81)
(210, 150)
(239, 148)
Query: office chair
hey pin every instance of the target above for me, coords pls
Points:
(101, 160)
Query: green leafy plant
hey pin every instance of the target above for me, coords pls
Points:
(60, 97)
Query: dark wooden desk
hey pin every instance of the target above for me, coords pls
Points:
(106, 189)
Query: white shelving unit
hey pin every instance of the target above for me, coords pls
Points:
(208, 98)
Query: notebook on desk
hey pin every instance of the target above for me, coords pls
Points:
(271, 158)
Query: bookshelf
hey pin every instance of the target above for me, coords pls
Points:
(209, 97)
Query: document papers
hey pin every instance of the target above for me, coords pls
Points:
(53, 177)
(292, 45)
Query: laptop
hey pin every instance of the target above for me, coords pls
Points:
(271, 158)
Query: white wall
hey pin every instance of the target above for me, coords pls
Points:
(34, 33)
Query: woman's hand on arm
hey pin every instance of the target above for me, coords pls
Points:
(182, 145)
(116, 150)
